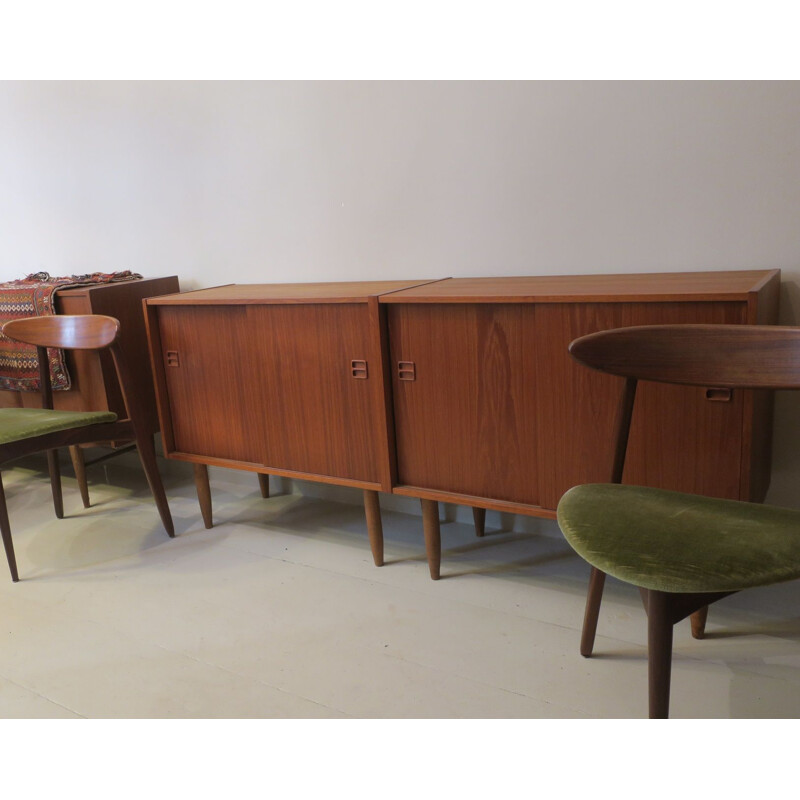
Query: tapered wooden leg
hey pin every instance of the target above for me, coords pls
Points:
(55, 482)
(593, 598)
(479, 515)
(659, 652)
(5, 529)
(203, 493)
(263, 484)
(147, 455)
(372, 507)
(433, 538)
(699, 622)
(79, 465)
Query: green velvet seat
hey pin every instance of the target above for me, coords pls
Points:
(17, 424)
(676, 542)
(683, 551)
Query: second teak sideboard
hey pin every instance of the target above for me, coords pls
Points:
(458, 390)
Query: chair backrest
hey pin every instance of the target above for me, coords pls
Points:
(729, 356)
(717, 356)
(76, 332)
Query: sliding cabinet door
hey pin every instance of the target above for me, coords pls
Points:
(215, 406)
(319, 380)
(681, 438)
(464, 388)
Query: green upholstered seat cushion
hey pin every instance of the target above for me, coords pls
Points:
(24, 423)
(676, 542)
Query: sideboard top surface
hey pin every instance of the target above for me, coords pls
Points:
(640, 287)
(265, 293)
(141, 285)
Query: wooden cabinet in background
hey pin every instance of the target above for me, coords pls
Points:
(94, 384)
(94, 381)
(459, 390)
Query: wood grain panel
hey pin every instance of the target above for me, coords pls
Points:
(467, 423)
(651, 287)
(215, 406)
(124, 302)
(386, 453)
(318, 417)
(264, 293)
(679, 439)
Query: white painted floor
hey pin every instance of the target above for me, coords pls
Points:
(279, 612)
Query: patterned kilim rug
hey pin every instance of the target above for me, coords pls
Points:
(34, 296)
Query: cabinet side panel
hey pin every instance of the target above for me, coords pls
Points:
(386, 453)
(124, 302)
(159, 378)
(679, 439)
(319, 417)
(86, 368)
(467, 422)
(214, 402)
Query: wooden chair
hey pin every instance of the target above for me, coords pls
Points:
(32, 430)
(683, 551)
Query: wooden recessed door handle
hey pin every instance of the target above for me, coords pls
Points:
(172, 358)
(719, 395)
(358, 368)
(406, 370)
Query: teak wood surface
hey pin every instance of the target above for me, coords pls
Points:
(679, 438)
(490, 416)
(467, 422)
(301, 293)
(757, 357)
(261, 377)
(491, 413)
(682, 438)
(643, 287)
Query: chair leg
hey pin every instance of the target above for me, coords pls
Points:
(55, 482)
(699, 622)
(479, 516)
(433, 537)
(203, 493)
(593, 598)
(5, 528)
(659, 652)
(263, 484)
(372, 508)
(79, 465)
(147, 455)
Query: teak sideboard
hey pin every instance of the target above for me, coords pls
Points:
(459, 390)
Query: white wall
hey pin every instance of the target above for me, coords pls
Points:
(249, 182)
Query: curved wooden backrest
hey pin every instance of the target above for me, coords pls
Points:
(729, 356)
(77, 332)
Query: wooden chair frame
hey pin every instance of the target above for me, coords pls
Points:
(731, 357)
(79, 332)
